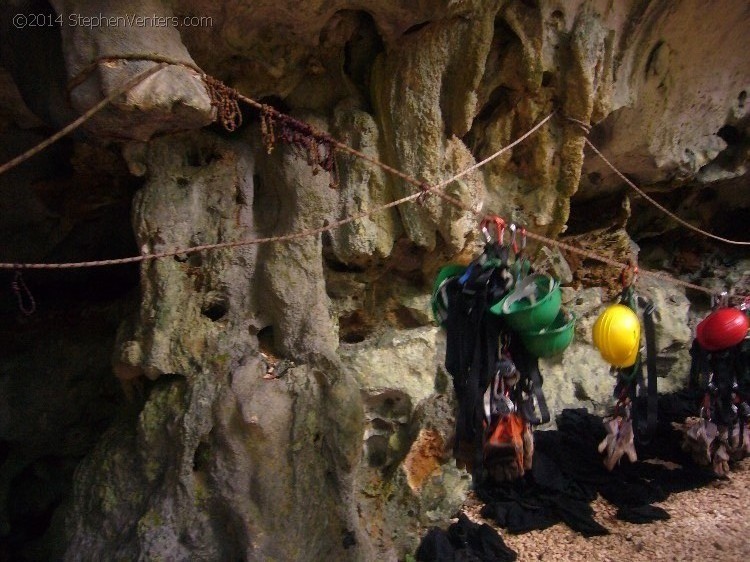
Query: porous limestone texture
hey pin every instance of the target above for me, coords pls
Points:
(678, 103)
(175, 100)
(287, 398)
(220, 461)
(407, 479)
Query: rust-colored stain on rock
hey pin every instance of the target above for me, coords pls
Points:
(424, 458)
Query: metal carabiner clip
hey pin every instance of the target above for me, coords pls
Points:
(720, 300)
(513, 242)
(499, 227)
(631, 267)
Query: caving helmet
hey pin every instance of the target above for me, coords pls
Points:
(723, 328)
(617, 335)
(439, 299)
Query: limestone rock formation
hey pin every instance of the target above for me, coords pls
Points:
(287, 399)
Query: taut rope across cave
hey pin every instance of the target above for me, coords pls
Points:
(225, 98)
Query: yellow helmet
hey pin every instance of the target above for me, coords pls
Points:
(617, 335)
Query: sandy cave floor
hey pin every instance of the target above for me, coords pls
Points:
(710, 523)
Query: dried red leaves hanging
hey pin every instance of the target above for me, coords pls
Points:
(226, 102)
(318, 147)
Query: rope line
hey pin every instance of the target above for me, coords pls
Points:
(617, 264)
(285, 237)
(26, 301)
(127, 86)
(656, 204)
(224, 99)
(82, 75)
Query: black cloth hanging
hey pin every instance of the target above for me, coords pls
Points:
(464, 541)
(568, 473)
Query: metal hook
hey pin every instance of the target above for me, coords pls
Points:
(487, 237)
(513, 242)
(631, 267)
(499, 226)
(720, 300)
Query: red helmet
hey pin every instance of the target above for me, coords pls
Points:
(722, 328)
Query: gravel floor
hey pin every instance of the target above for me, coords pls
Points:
(711, 523)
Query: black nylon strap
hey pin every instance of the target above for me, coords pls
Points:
(536, 381)
(528, 366)
(700, 367)
(652, 397)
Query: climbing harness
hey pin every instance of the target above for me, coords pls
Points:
(489, 309)
(720, 373)
(617, 335)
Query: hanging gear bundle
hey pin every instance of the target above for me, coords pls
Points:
(495, 375)
(720, 371)
(617, 335)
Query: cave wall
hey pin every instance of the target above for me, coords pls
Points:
(287, 400)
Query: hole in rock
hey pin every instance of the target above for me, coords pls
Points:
(377, 450)
(389, 405)
(730, 134)
(201, 457)
(415, 28)
(197, 157)
(265, 340)
(360, 52)
(354, 328)
(215, 307)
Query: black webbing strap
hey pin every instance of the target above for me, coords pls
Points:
(652, 397)
(632, 383)
(471, 353)
(722, 386)
(536, 384)
(700, 367)
(531, 380)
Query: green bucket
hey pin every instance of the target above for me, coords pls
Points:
(552, 340)
(439, 308)
(533, 305)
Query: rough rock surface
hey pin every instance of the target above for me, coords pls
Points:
(272, 382)
(176, 100)
(407, 478)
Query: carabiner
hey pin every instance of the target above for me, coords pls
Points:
(513, 242)
(499, 227)
(720, 300)
(487, 237)
(634, 277)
